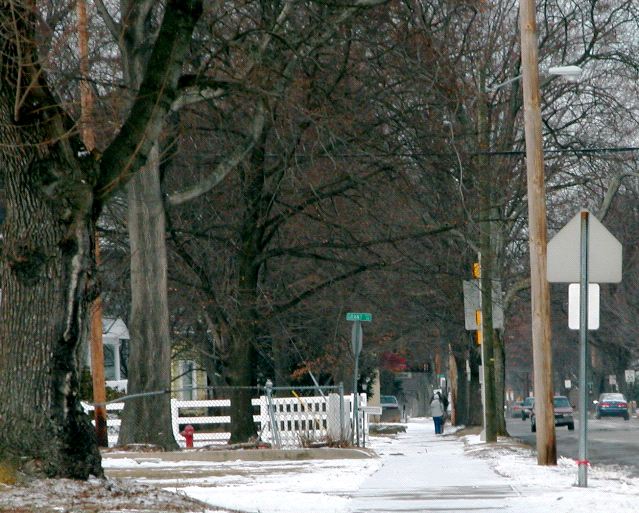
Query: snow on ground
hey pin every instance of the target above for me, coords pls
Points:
(508, 472)
(416, 471)
(554, 488)
(312, 486)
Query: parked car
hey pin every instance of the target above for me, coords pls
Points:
(388, 401)
(527, 407)
(390, 408)
(516, 409)
(612, 405)
(563, 414)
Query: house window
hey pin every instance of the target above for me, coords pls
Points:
(109, 362)
(187, 379)
(124, 358)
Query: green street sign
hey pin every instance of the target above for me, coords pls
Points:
(352, 316)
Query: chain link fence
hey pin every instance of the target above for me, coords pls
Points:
(283, 417)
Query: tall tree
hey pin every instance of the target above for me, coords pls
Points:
(54, 194)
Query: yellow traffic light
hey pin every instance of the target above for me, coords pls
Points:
(478, 337)
(478, 317)
(476, 270)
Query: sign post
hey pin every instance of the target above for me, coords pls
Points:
(582, 462)
(597, 261)
(356, 347)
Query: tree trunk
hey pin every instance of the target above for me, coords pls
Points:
(242, 363)
(453, 373)
(148, 419)
(474, 389)
(499, 354)
(47, 253)
(243, 359)
(241, 376)
(54, 196)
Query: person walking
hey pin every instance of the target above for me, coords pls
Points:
(437, 412)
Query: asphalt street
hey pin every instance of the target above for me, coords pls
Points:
(611, 440)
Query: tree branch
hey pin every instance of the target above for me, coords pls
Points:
(224, 167)
(128, 152)
(613, 188)
(114, 27)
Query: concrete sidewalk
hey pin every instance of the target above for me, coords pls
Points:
(426, 472)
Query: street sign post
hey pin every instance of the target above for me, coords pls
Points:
(356, 339)
(584, 251)
(574, 302)
(356, 347)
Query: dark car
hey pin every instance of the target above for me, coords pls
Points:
(527, 407)
(611, 405)
(563, 414)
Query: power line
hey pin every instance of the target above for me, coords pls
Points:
(504, 153)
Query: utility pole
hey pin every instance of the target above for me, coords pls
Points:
(88, 137)
(540, 294)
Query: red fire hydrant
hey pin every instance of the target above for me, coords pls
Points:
(187, 433)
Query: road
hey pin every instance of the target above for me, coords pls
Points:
(611, 441)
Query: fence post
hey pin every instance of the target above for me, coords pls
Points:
(341, 412)
(271, 412)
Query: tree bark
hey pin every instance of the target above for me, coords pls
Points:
(147, 419)
(487, 262)
(46, 268)
(242, 362)
(474, 389)
(499, 354)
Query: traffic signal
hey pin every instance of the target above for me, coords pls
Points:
(476, 270)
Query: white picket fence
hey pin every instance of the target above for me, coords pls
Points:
(299, 420)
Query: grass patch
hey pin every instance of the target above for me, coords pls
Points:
(8, 473)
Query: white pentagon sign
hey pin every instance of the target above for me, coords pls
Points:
(604, 253)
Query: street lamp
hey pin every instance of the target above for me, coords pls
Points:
(570, 73)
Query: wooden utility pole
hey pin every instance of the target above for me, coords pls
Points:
(88, 136)
(540, 294)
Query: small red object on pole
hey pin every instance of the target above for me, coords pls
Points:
(187, 433)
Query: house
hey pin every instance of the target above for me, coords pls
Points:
(115, 340)
(188, 379)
